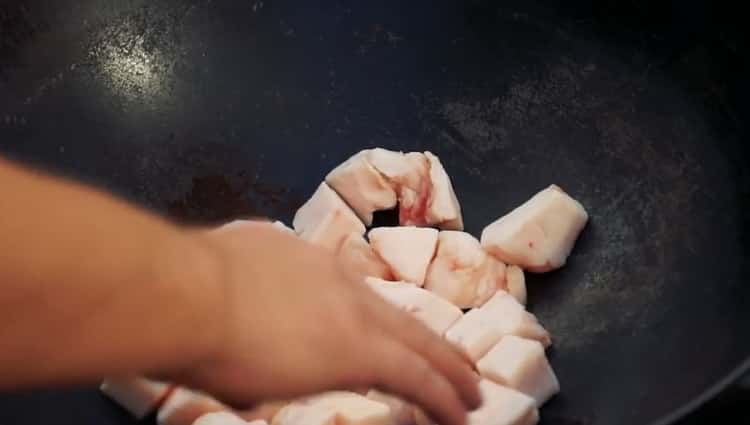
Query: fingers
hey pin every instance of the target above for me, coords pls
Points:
(401, 371)
(438, 352)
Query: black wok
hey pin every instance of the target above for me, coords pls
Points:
(206, 110)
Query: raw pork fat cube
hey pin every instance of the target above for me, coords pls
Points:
(407, 250)
(224, 418)
(520, 364)
(462, 272)
(400, 170)
(424, 190)
(334, 408)
(435, 312)
(443, 208)
(516, 283)
(139, 396)
(503, 406)
(325, 219)
(281, 226)
(362, 186)
(401, 412)
(539, 235)
(184, 406)
(481, 328)
(249, 223)
(414, 200)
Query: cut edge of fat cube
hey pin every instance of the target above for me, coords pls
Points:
(239, 223)
(477, 331)
(401, 411)
(530, 328)
(462, 272)
(520, 364)
(503, 406)
(281, 226)
(297, 414)
(408, 250)
(139, 396)
(522, 236)
(516, 282)
(185, 406)
(362, 186)
(432, 310)
(444, 209)
(325, 219)
(334, 408)
(397, 168)
(224, 418)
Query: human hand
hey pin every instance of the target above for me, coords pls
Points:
(295, 321)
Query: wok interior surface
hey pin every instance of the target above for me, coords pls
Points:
(208, 110)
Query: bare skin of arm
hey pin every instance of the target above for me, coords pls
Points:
(91, 286)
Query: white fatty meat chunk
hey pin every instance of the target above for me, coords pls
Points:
(283, 227)
(539, 235)
(520, 364)
(423, 188)
(407, 250)
(443, 208)
(414, 200)
(362, 186)
(462, 272)
(401, 412)
(326, 220)
(409, 175)
(185, 406)
(139, 396)
(400, 170)
(359, 255)
(481, 328)
(435, 312)
(224, 418)
(236, 224)
(516, 283)
(503, 406)
(334, 408)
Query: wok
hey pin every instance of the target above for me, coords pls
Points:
(207, 110)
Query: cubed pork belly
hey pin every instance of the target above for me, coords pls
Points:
(334, 408)
(462, 272)
(363, 187)
(139, 396)
(503, 406)
(477, 331)
(423, 188)
(407, 250)
(224, 418)
(326, 220)
(184, 406)
(435, 312)
(539, 235)
(520, 364)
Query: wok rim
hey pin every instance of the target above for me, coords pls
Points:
(705, 396)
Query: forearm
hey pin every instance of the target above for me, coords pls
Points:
(91, 286)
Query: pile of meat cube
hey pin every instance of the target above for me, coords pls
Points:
(433, 274)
